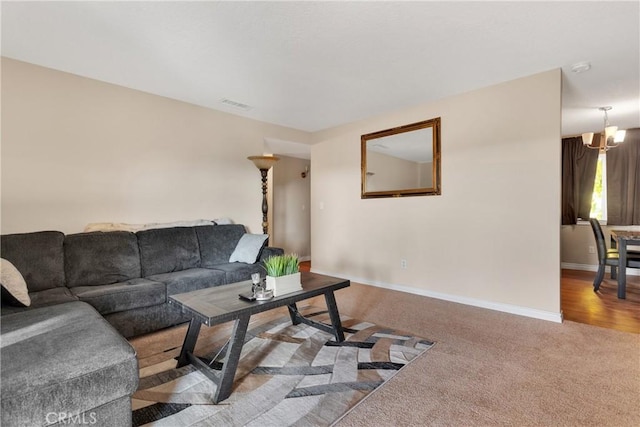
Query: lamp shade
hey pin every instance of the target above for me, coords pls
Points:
(263, 162)
(620, 136)
(587, 138)
(610, 132)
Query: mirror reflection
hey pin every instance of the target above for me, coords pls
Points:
(403, 161)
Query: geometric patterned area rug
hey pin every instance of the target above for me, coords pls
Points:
(288, 375)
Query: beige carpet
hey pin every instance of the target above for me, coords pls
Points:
(496, 369)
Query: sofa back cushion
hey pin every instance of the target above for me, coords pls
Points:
(98, 258)
(217, 242)
(38, 256)
(165, 250)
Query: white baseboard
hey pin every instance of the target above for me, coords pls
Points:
(590, 267)
(506, 308)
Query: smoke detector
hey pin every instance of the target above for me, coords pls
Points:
(581, 67)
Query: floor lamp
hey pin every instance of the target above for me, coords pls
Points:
(264, 163)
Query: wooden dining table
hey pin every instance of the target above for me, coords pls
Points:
(622, 239)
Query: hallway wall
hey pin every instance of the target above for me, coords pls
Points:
(291, 229)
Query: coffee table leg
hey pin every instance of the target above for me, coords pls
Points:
(230, 361)
(189, 343)
(293, 313)
(335, 316)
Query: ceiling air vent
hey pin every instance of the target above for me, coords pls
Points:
(235, 104)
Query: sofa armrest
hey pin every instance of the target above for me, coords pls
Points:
(270, 251)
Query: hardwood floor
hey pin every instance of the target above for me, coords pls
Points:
(305, 266)
(603, 308)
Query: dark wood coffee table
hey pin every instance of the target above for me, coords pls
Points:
(220, 304)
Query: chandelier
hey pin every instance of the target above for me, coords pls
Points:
(612, 136)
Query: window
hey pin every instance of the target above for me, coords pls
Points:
(599, 196)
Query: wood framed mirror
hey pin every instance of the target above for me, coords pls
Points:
(403, 161)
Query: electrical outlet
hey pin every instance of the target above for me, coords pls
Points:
(403, 264)
(592, 249)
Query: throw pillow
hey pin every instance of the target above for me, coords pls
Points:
(248, 248)
(13, 283)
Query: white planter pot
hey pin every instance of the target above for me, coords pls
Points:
(284, 284)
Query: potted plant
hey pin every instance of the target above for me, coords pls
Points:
(283, 274)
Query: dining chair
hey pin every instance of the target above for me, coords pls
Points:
(609, 257)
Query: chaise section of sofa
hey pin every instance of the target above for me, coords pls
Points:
(63, 363)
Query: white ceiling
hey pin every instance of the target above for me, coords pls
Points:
(315, 65)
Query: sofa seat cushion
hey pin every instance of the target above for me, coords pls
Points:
(62, 359)
(101, 258)
(239, 271)
(38, 257)
(190, 280)
(51, 297)
(217, 243)
(132, 323)
(42, 299)
(166, 250)
(134, 293)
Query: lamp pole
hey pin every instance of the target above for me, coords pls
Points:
(264, 163)
(265, 205)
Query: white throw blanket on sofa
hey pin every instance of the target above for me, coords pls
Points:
(121, 226)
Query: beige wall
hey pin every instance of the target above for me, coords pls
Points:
(76, 150)
(491, 239)
(291, 198)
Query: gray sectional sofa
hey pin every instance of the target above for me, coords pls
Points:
(62, 354)
(65, 365)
